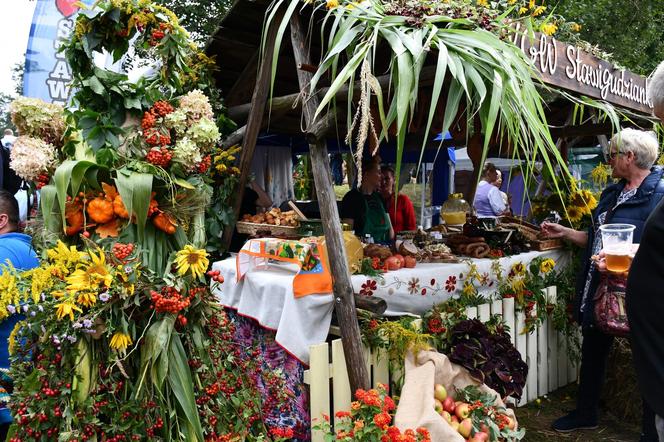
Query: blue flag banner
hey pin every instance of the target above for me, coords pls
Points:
(47, 75)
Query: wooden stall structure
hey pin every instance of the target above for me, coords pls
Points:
(245, 78)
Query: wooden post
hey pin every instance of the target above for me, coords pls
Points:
(344, 303)
(254, 122)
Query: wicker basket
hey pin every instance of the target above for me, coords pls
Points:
(546, 244)
(255, 229)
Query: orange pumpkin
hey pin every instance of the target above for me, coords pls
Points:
(119, 208)
(100, 210)
(164, 222)
(74, 217)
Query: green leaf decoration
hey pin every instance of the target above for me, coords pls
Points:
(136, 191)
(154, 351)
(68, 177)
(49, 211)
(180, 381)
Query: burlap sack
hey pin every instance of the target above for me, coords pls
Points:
(416, 404)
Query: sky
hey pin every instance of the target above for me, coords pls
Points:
(14, 32)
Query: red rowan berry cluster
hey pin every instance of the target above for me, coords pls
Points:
(159, 157)
(204, 165)
(43, 180)
(169, 300)
(122, 251)
(215, 275)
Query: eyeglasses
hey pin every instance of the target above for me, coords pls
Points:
(609, 156)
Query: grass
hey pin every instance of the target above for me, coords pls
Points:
(537, 419)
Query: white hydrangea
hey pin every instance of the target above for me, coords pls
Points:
(196, 106)
(37, 118)
(30, 157)
(176, 120)
(204, 133)
(186, 152)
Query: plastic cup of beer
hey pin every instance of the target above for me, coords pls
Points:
(617, 245)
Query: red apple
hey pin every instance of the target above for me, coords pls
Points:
(455, 419)
(480, 436)
(446, 416)
(465, 427)
(462, 410)
(448, 405)
(438, 406)
(439, 392)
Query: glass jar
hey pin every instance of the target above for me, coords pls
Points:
(454, 210)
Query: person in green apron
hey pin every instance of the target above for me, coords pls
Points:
(363, 208)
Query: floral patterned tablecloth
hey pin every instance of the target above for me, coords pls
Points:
(416, 290)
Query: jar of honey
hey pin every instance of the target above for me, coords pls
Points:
(454, 210)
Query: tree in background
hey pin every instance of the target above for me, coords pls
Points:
(628, 29)
(6, 99)
(200, 18)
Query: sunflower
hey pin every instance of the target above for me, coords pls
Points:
(547, 265)
(120, 342)
(87, 299)
(192, 259)
(518, 268)
(90, 276)
(574, 214)
(66, 308)
(517, 283)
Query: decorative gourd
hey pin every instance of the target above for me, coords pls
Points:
(100, 210)
(164, 222)
(74, 217)
(119, 208)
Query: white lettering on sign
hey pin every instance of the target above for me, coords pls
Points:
(60, 76)
(610, 83)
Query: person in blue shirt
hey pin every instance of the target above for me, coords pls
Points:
(15, 248)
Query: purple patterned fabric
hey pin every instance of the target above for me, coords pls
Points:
(279, 377)
(610, 312)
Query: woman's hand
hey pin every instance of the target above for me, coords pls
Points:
(553, 230)
(600, 259)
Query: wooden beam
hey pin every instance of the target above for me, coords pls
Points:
(584, 130)
(254, 123)
(241, 91)
(344, 302)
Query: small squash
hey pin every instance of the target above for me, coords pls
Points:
(100, 210)
(164, 222)
(74, 217)
(119, 208)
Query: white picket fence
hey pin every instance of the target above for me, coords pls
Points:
(544, 350)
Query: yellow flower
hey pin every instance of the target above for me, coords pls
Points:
(42, 280)
(539, 11)
(87, 299)
(547, 265)
(574, 214)
(12, 341)
(332, 4)
(576, 27)
(600, 175)
(482, 3)
(518, 268)
(531, 4)
(469, 289)
(90, 276)
(549, 28)
(518, 283)
(523, 10)
(66, 308)
(511, 2)
(65, 258)
(192, 259)
(120, 342)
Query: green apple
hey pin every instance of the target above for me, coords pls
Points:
(438, 406)
(462, 410)
(446, 416)
(465, 427)
(439, 392)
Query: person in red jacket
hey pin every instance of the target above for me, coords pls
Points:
(403, 214)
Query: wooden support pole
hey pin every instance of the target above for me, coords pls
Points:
(344, 302)
(254, 123)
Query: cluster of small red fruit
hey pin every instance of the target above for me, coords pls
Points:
(458, 415)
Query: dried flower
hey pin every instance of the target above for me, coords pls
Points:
(30, 157)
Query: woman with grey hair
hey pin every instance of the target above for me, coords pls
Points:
(631, 155)
(645, 302)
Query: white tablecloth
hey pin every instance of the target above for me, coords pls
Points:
(266, 295)
(416, 290)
